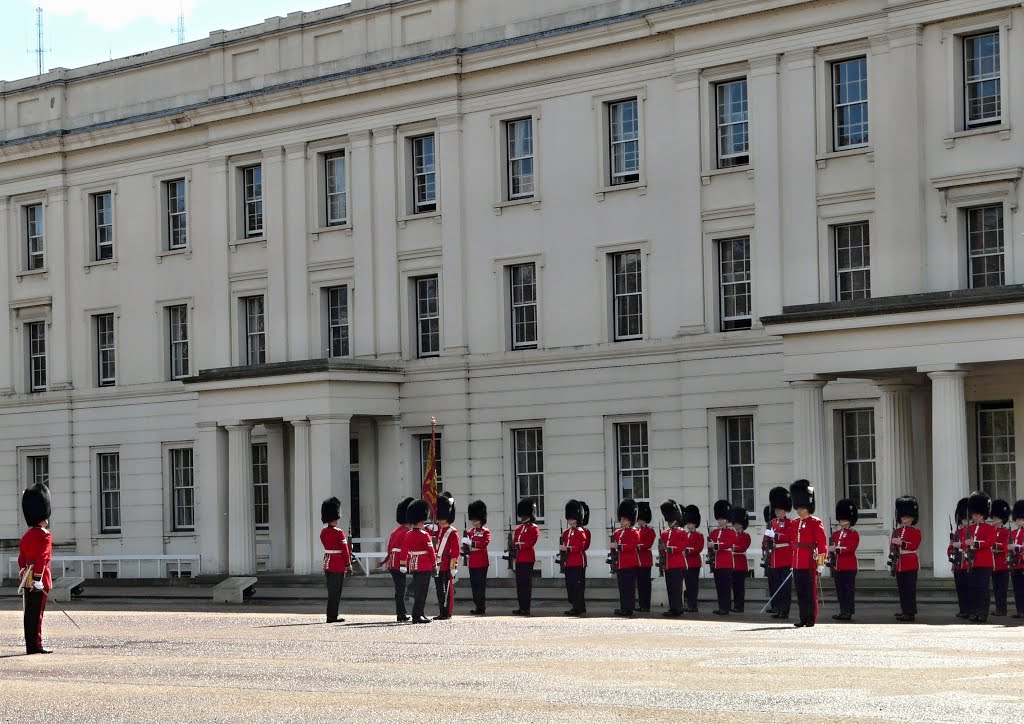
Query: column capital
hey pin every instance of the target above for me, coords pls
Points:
(238, 427)
(798, 381)
(329, 417)
(298, 422)
(947, 374)
(390, 420)
(207, 424)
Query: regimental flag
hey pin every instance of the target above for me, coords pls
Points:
(429, 488)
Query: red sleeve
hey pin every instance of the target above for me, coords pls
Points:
(699, 547)
(530, 536)
(587, 536)
(852, 542)
(911, 539)
(647, 538)
(820, 538)
(453, 544)
(742, 543)
(782, 532)
(486, 540)
(986, 537)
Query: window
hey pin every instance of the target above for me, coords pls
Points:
(627, 295)
(177, 340)
(255, 330)
(424, 441)
(997, 450)
(38, 470)
(108, 466)
(106, 369)
(523, 288)
(986, 263)
(732, 123)
(337, 196)
(34, 238)
(632, 460)
(261, 485)
(519, 144)
(853, 261)
(428, 317)
(182, 488)
(982, 82)
(850, 103)
(624, 141)
(859, 482)
(177, 222)
(734, 283)
(528, 465)
(424, 174)
(103, 226)
(739, 460)
(337, 322)
(36, 334)
(252, 204)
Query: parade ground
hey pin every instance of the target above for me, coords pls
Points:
(189, 661)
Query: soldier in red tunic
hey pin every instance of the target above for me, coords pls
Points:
(574, 545)
(672, 546)
(393, 561)
(476, 540)
(740, 520)
(524, 540)
(337, 555)
(34, 563)
(447, 546)
(1000, 569)
(1016, 558)
(626, 541)
(810, 545)
(720, 543)
(692, 556)
(955, 553)
(905, 542)
(419, 557)
(644, 574)
(980, 537)
(843, 554)
(780, 561)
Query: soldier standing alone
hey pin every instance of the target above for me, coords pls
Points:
(574, 545)
(524, 541)
(337, 555)
(905, 543)
(844, 552)
(477, 539)
(34, 555)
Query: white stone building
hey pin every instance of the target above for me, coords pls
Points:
(617, 247)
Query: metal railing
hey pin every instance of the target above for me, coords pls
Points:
(118, 564)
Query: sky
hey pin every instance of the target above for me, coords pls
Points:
(82, 32)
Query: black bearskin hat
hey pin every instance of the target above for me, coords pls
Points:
(691, 515)
(586, 515)
(573, 511)
(802, 493)
(1001, 510)
(527, 508)
(979, 503)
(477, 510)
(846, 509)
(739, 515)
(330, 510)
(768, 513)
(401, 511)
(628, 509)
(446, 507)
(643, 511)
(779, 497)
(418, 512)
(722, 508)
(907, 506)
(1018, 510)
(961, 510)
(671, 512)
(35, 504)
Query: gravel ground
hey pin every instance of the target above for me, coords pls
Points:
(186, 662)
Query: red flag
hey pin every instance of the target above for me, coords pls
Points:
(429, 488)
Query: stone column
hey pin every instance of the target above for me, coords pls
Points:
(329, 470)
(809, 441)
(302, 510)
(365, 241)
(950, 479)
(385, 290)
(276, 301)
(212, 497)
(896, 447)
(764, 148)
(241, 513)
(686, 180)
(453, 284)
(294, 271)
(210, 197)
(391, 484)
(58, 260)
(279, 538)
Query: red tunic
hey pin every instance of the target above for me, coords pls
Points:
(479, 539)
(722, 541)
(694, 549)
(337, 554)
(910, 538)
(1017, 539)
(648, 536)
(35, 550)
(984, 536)
(739, 550)
(448, 547)
(577, 542)
(394, 560)
(674, 540)
(782, 551)
(1001, 547)
(629, 547)
(418, 551)
(809, 541)
(846, 541)
(526, 537)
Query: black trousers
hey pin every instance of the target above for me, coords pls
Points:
(739, 590)
(643, 587)
(627, 588)
(1018, 591)
(576, 588)
(398, 578)
(692, 578)
(784, 599)
(444, 583)
(846, 590)
(335, 582)
(524, 585)
(723, 584)
(906, 584)
(1000, 587)
(804, 580)
(478, 582)
(960, 581)
(674, 584)
(420, 586)
(35, 604)
(979, 593)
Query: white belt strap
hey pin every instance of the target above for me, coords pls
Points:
(782, 545)
(333, 552)
(417, 553)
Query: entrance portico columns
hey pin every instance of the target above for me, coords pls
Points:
(896, 440)
(809, 438)
(329, 472)
(241, 510)
(212, 496)
(302, 562)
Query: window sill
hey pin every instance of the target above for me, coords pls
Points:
(1002, 129)
(708, 174)
(181, 534)
(403, 220)
(185, 253)
(243, 242)
(639, 186)
(89, 266)
(345, 228)
(41, 273)
(867, 152)
(532, 201)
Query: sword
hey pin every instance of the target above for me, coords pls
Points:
(781, 586)
(61, 609)
(26, 585)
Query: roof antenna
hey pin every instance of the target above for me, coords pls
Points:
(41, 49)
(181, 22)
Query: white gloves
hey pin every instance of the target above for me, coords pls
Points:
(38, 585)
(403, 569)
(466, 541)
(821, 569)
(769, 533)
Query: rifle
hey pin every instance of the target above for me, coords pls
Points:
(970, 552)
(830, 560)
(355, 566)
(712, 555)
(560, 559)
(465, 546)
(613, 554)
(894, 553)
(767, 546)
(510, 550)
(661, 551)
(956, 554)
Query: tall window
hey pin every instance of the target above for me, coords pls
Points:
(624, 141)
(261, 484)
(255, 330)
(528, 465)
(853, 261)
(177, 335)
(424, 441)
(519, 145)
(182, 488)
(523, 288)
(108, 466)
(106, 367)
(103, 226)
(424, 175)
(997, 450)
(982, 82)
(252, 200)
(38, 470)
(850, 103)
(733, 123)
(734, 283)
(627, 295)
(985, 246)
(177, 220)
(428, 317)
(337, 196)
(859, 480)
(632, 460)
(35, 245)
(739, 460)
(36, 334)
(337, 322)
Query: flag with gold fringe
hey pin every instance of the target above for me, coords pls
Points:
(429, 488)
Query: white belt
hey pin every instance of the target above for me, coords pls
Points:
(396, 550)
(908, 553)
(333, 552)
(782, 545)
(417, 553)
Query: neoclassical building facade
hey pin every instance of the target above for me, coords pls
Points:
(641, 248)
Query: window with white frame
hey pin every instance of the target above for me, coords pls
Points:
(985, 250)
(35, 238)
(252, 201)
(522, 280)
(102, 225)
(37, 467)
(852, 260)
(183, 499)
(627, 295)
(624, 141)
(424, 445)
(740, 485)
(108, 470)
(519, 158)
(528, 465)
(337, 321)
(632, 462)
(424, 174)
(177, 217)
(261, 484)
(982, 80)
(106, 363)
(177, 340)
(734, 283)
(335, 189)
(997, 450)
(428, 317)
(858, 456)
(850, 103)
(35, 333)
(732, 123)
(255, 330)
